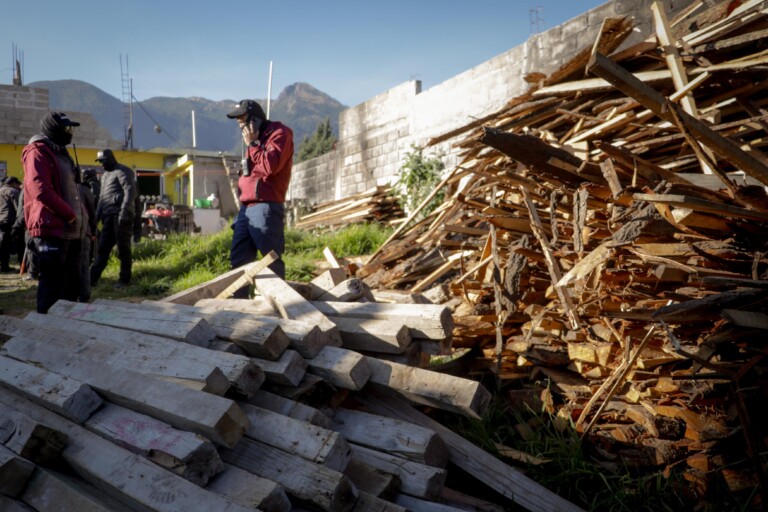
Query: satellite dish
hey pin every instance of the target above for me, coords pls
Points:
(158, 129)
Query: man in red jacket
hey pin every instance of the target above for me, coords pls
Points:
(262, 187)
(53, 210)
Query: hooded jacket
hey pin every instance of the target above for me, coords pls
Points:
(52, 204)
(270, 161)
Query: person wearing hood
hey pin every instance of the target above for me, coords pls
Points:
(53, 210)
(9, 199)
(116, 211)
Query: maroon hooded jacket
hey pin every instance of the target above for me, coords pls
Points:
(52, 205)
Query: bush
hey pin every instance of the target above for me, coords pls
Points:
(418, 177)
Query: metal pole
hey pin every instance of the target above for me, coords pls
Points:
(269, 89)
(194, 136)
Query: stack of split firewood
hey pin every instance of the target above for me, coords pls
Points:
(375, 205)
(291, 401)
(606, 232)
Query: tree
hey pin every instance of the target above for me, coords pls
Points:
(320, 143)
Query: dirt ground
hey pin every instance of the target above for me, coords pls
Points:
(17, 296)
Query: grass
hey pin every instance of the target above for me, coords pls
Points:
(164, 267)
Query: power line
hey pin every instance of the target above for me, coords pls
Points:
(158, 128)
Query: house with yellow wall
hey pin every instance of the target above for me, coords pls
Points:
(183, 175)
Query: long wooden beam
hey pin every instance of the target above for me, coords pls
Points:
(653, 100)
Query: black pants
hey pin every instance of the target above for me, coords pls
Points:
(7, 246)
(58, 262)
(113, 233)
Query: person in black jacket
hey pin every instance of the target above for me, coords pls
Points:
(9, 199)
(115, 210)
(87, 242)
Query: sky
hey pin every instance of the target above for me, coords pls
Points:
(223, 49)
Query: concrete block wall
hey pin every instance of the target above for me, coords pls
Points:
(22, 108)
(375, 135)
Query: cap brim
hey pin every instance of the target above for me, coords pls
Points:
(72, 123)
(240, 110)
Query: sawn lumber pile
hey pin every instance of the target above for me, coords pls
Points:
(606, 233)
(290, 401)
(375, 205)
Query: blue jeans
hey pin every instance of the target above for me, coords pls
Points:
(258, 228)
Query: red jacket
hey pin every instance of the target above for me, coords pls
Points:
(46, 211)
(270, 162)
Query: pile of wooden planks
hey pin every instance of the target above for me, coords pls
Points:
(375, 205)
(605, 232)
(200, 403)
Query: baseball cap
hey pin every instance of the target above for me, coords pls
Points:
(104, 154)
(62, 119)
(245, 106)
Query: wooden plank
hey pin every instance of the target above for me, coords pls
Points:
(304, 338)
(291, 408)
(188, 455)
(248, 275)
(30, 439)
(415, 479)
(250, 490)
(372, 480)
(317, 444)
(372, 335)
(214, 417)
(291, 305)
(195, 331)
(370, 503)
(69, 397)
(307, 483)
(397, 437)
(425, 321)
(341, 368)
(463, 396)
(419, 505)
(15, 472)
(120, 473)
(349, 290)
(653, 100)
(695, 203)
(8, 504)
(327, 280)
(287, 371)
(508, 481)
(208, 289)
(142, 352)
(49, 491)
(752, 319)
(265, 340)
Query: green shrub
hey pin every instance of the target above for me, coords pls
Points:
(417, 179)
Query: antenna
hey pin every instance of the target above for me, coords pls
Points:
(127, 89)
(18, 59)
(536, 15)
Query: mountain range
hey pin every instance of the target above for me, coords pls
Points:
(167, 122)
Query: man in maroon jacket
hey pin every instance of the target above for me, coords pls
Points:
(53, 210)
(262, 187)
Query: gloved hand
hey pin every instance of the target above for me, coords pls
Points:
(124, 219)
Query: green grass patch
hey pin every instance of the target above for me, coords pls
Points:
(164, 267)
